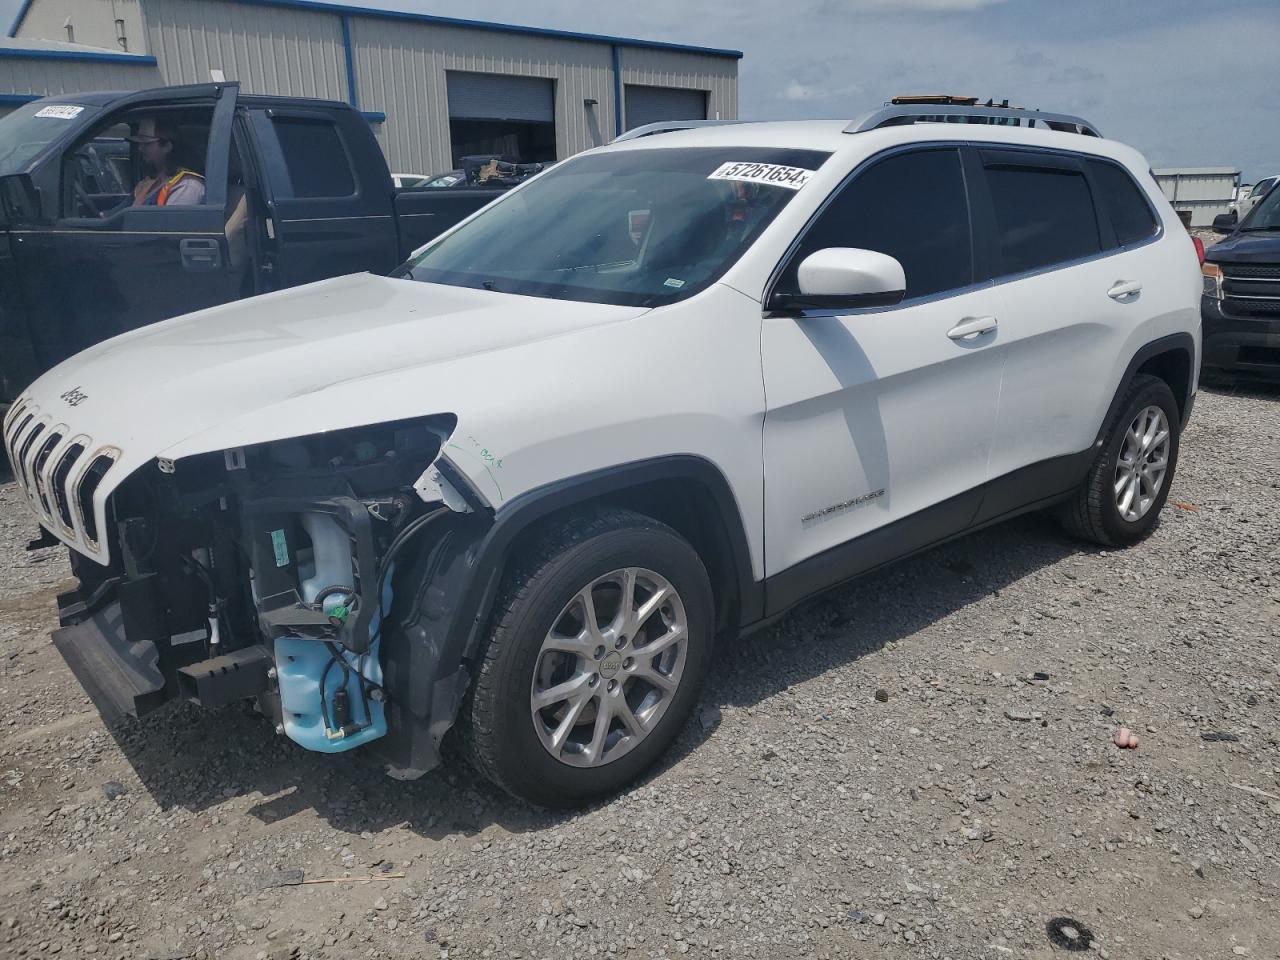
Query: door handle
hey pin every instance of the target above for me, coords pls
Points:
(200, 254)
(1124, 288)
(971, 328)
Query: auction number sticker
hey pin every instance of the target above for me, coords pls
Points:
(772, 174)
(60, 111)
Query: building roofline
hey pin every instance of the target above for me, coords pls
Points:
(375, 13)
(31, 53)
(1193, 171)
(19, 17)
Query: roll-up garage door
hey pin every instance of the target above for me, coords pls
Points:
(492, 96)
(651, 104)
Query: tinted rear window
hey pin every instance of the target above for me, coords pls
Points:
(1124, 202)
(1044, 216)
(315, 157)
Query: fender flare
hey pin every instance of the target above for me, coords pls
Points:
(521, 513)
(1179, 342)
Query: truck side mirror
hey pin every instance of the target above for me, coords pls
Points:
(1224, 223)
(19, 199)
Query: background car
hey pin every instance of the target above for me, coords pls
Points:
(1254, 196)
(1240, 309)
(408, 181)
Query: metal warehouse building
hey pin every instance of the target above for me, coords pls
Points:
(1200, 192)
(434, 88)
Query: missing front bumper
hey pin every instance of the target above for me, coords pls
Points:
(121, 678)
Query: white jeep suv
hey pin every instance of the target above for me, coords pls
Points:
(657, 395)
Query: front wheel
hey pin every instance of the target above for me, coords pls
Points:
(595, 660)
(1121, 498)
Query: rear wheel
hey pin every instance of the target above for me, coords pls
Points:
(595, 660)
(1121, 498)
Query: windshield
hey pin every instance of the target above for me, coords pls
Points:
(444, 179)
(632, 227)
(1266, 215)
(31, 128)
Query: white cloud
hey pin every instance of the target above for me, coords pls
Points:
(931, 5)
(796, 90)
(1075, 74)
(908, 6)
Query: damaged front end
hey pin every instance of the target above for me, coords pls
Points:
(315, 575)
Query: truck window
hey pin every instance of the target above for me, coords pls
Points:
(315, 158)
(32, 127)
(108, 169)
(1262, 186)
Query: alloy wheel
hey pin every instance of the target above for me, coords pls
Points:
(1142, 464)
(609, 667)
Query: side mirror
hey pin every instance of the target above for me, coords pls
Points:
(19, 199)
(1224, 223)
(845, 277)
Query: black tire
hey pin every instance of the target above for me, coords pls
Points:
(1092, 514)
(496, 729)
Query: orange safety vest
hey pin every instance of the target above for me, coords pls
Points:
(163, 194)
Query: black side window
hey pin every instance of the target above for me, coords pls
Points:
(315, 157)
(1122, 199)
(1043, 215)
(911, 206)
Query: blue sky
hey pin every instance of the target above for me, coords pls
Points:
(1188, 82)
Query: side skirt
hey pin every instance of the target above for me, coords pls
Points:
(1029, 488)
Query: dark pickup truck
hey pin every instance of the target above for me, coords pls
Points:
(1240, 310)
(296, 190)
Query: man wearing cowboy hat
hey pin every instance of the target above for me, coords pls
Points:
(171, 184)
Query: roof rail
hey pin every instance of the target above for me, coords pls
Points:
(898, 114)
(668, 126)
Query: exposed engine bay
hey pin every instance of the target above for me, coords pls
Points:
(304, 573)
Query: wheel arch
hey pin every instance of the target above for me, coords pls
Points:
(686, 492)
(446, 589)
(1172, 359)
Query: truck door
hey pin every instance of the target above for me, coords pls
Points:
(99, 263)
(329, 194)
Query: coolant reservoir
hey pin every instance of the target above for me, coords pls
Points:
(331, 555)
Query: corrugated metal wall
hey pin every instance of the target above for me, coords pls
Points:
(73, 76)
(400, 71)
(294, 53)
(1205, 191)
(400, 67)
(93, 24)
(667, 68)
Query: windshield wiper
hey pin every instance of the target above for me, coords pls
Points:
(1260, 229)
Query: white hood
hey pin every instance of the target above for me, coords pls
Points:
(159, 388)
(340, 353)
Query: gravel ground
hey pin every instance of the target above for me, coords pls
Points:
(918, 765)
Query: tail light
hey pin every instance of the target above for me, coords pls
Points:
(1199, 248)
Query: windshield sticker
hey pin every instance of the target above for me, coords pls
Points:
(673, 283)
(770, 174)
(60, 112)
